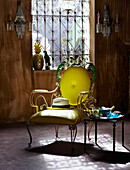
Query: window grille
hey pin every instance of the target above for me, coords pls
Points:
(64, 34)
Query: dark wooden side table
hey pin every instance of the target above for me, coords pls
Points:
(101, 119)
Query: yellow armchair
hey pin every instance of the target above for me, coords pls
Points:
(75, 85)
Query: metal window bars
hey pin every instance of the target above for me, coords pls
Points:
(64, 34)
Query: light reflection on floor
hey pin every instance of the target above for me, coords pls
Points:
(78, 163)
(82, 162)
(105, 141)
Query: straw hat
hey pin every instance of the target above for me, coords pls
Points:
(60, 103)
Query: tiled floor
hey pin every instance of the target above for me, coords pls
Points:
(48, 154)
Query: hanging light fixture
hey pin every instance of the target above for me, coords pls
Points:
(19, 21)
(106, 26)
(106, 29)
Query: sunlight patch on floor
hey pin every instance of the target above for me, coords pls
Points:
(77, 163)
(105, 141)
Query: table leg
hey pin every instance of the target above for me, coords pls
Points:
(95, 132)
(122, 132)
(85, 131)
(114, 125)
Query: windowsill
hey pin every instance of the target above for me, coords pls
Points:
(44, 70)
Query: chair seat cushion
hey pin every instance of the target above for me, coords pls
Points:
(68, 116)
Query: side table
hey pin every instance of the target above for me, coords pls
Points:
(102, 119)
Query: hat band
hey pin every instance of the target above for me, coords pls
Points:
(60, 106)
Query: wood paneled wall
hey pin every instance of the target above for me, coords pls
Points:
(112, 57)
(45, 79)
(15, 66)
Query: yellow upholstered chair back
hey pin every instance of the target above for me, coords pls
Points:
(76, 82)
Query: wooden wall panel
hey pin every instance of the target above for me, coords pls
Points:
(45, 79)
(15, 66)
(127, 22)
(112, 58)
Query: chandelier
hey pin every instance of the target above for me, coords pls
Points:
(106, 26)
(19, 21)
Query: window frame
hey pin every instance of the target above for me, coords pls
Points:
(92, 31)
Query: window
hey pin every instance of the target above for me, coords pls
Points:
(64, 33)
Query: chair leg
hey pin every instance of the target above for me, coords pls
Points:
(56, 131)
(73, 129)
(89, 129)
(29, 144)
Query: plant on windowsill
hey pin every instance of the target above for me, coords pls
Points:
(37, 57)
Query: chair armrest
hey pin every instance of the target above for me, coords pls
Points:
(85, 102)
(45, 91)
(41, 91)
(81, 96)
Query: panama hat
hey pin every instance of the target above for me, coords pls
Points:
(60, 103)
